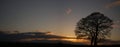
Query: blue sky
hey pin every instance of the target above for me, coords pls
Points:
(56, 16)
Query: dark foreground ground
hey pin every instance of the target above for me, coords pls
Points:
(16, 44)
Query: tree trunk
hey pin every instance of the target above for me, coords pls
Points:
(95, 42)
(96, 34)
(92, 39)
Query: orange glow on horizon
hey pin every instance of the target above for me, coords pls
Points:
(69, 40)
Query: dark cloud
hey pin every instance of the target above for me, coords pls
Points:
(68, 11)
(116, 24)
(113, 4)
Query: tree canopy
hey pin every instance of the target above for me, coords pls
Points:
(95, 27)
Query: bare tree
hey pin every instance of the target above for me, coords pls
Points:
(95, 27)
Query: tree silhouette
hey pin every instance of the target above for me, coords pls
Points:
(95, 27)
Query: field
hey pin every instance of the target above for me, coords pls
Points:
(18, 44)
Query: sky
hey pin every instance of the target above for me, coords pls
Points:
(56, 16)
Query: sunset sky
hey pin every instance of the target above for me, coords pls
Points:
(56, 16)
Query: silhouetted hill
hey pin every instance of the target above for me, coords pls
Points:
(18, 44)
